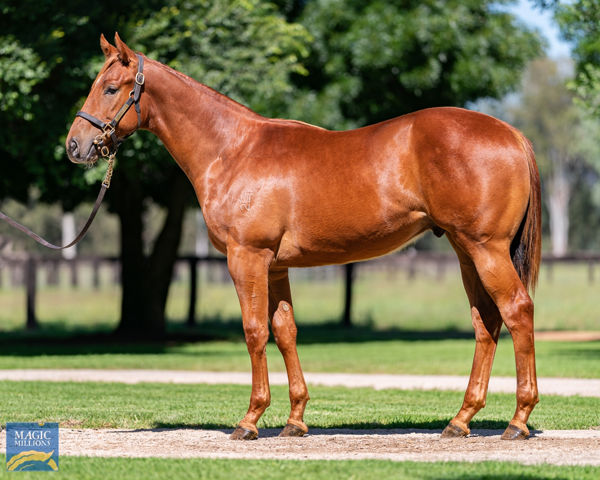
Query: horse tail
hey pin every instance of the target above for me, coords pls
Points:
(526, 247)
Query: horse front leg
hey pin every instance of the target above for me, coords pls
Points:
(281, 314)
(249, 270)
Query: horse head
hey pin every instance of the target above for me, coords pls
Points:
(105, 118)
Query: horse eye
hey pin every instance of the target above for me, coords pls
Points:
(110, 90)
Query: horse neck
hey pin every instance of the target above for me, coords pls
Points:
(195, 123)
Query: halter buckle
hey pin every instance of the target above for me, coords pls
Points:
(139, 78)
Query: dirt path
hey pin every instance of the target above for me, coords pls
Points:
(568, 447)
(547, 386)
(559, 447)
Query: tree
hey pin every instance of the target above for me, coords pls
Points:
(375, 60)
(559, 130)
(579, 21)
(242, 47)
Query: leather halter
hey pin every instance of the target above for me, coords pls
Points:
(109, 129)
(101, 143)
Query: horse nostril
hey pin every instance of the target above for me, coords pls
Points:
(74, 148)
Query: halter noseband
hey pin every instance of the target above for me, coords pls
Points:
(109, 129)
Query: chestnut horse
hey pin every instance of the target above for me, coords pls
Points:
(279, 193)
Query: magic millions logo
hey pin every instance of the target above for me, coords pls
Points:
(31, 446)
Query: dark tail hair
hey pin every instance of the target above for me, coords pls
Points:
(526, 247)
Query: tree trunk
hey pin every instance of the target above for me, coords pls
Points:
(559, 195)
(145, 280)
(161, 263)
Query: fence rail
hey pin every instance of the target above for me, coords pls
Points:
(25, 272)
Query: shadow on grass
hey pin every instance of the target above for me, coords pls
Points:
(327, 332)
(56, 339)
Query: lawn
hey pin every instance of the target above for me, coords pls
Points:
(113, 405)
(425, 356)
(95, 468)
(565, 300)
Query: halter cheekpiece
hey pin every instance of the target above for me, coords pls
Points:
(109, 129)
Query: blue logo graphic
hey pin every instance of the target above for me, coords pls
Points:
(32, 446)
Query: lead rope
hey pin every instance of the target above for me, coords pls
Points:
(108, 131)
(79, 237)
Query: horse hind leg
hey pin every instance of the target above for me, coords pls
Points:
(500, 279)
(284, 330)
(487, 323)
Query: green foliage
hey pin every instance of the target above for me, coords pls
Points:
(44, 47)
(243, 49)
(376, 60)
(580, 24)
(20, 70)
(546, 107)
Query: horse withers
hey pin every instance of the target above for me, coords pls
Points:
(279, 193)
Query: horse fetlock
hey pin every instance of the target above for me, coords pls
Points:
(474, 404)
(260, 402)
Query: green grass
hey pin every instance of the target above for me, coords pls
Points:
(112, 405)
(88, 468)
(443, 357)
(382, 300)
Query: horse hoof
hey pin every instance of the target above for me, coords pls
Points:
(241, 433)
(513, 432)
(453, 431)
(292, 431)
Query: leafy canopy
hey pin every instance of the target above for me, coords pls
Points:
(379, 59)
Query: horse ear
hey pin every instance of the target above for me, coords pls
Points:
(125, 53)
(106, 47)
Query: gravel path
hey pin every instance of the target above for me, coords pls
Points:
(568, 447)
(558, 447)
(547, 386)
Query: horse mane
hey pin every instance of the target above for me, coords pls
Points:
(214, 94)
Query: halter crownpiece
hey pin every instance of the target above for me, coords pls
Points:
(109, 129)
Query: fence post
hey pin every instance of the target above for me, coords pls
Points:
(191, 320)
(30, 285)
(349, 283)
(96, 273)
(74, 264)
